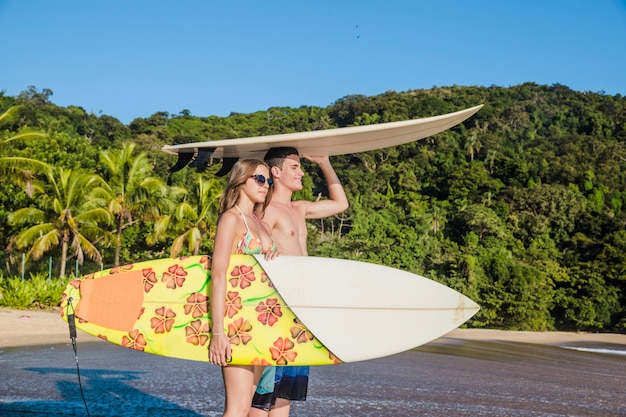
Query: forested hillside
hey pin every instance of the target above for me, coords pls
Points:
(522, 207)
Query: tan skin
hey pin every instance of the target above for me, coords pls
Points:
(286, 220)
(239, 381)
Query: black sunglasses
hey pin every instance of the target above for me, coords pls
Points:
(260, 180)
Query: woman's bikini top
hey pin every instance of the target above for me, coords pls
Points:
(249, 244)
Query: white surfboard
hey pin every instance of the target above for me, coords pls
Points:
(362, 311)
(329, 142)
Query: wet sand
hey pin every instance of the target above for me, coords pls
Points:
(465, 373)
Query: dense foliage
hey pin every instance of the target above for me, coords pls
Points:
(522, 207)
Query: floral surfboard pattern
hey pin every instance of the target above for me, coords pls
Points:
(162, 307)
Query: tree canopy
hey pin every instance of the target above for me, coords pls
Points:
(522, 207)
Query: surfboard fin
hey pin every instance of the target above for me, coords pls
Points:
(183, 160)
(202, 159)
(227, 165)
(197, 160)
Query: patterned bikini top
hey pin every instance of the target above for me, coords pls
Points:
(249, 244)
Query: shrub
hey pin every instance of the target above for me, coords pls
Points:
(37, 291)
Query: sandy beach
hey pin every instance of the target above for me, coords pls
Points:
(33, 328)
(38, 327)
(466, 373)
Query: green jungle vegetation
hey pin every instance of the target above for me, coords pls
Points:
(522, 207)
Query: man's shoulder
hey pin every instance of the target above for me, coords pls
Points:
(300, 204)
(278, 213)
(281, 208)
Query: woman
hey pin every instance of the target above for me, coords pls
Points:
(239, 230)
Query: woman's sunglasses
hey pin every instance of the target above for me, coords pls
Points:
(260, 180)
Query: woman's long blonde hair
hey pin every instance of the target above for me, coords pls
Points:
(241, 172)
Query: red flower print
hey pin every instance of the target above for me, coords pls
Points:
(149, 279)
(260, 362)
(197, 306)
(233, 304)
(197, 333)
(239, 332)
(205, 261)
(300, 333)
(242, 276)
(143, 310)
(134, 340)
(103, 337)
(281, 351)
(270, 311)
(174, 277)
(76, 283)
(266, 278)
(163, 321)
(333, 358)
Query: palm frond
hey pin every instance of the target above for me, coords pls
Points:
(9, 115)
(26, 215)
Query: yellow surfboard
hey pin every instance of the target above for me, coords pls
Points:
(292, 311)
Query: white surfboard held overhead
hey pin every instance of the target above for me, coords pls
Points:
(330, 142)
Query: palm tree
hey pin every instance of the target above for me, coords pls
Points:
(131, 193)
(491, 159)
(19, 168)
(188, 222)
(67, 218)
(437, 218)
(473, 146)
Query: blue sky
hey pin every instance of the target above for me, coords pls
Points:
(133, 58)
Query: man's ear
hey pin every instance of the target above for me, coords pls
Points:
(275, 171)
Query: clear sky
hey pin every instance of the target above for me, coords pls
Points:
(133, 58)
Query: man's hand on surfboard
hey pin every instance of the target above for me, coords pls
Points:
(271, 254)
(319, 160)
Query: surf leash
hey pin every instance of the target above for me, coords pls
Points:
(71, 321)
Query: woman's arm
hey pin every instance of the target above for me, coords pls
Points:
(219, 349)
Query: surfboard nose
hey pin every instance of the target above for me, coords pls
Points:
(361, 311)
(465, 310)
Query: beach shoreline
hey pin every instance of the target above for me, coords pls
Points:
(35, 328)
(42, 327)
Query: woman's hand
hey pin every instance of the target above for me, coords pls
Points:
(219, 350)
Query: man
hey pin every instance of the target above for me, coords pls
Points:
(286, 219)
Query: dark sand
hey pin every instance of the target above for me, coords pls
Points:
(465, 373)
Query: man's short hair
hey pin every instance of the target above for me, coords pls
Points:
(275, 156)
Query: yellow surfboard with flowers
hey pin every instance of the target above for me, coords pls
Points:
(292, 311)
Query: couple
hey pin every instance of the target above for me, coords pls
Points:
(257, 216)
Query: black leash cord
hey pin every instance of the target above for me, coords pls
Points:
(71, 320)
